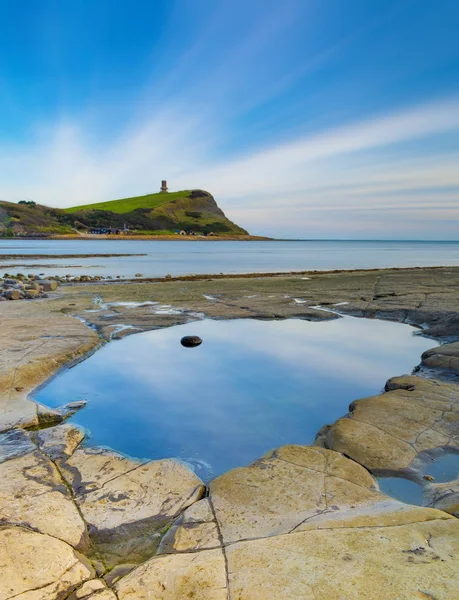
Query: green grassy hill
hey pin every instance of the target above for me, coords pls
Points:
(125, 205)
(190, 210)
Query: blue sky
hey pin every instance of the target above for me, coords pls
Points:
(304, 118)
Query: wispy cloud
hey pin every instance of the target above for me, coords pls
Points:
(331, 169)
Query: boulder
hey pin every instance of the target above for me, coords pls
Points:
(12, 294)
(48, 285)
(38, 567)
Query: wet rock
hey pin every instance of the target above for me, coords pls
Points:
(15, 443)
(125, 503)
(38, 567)
(444, 496)
(445, 358)
(191, 341)
(59, 442)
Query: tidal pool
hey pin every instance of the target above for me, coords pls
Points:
(251, 386)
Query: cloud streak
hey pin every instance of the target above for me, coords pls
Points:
(337, 168)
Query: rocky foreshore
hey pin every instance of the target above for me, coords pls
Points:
(306, 522)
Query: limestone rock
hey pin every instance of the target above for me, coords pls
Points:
(33, 494)
(286, 488)
(48, 285)
(411, 561)
(95, 589)
(34, 566)
(12, 294)
(200, 575)
(126, 503)
(88, 588)
(196, 529)
(385, 433)
(444, 496)
(445, 358)
(60, 441)
(15, 443)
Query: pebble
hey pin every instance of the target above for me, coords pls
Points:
(191, 341)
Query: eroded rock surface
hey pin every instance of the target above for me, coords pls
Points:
(444, 496)
(385, 433)
(33, 493)
(34, 566)
(445, 358)
(302, 522)
(199, 575)
(411, 561)
(196, 529)
(126, 503)
(59, 442)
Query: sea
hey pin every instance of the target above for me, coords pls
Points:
(158, 258)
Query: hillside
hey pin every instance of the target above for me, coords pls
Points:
(191, 210)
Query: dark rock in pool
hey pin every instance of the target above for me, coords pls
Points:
(191, 341)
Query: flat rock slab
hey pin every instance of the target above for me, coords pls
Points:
(444, 496)
(38, 567)
(302, 522)
(59, 442)
(32, 493)
(195, 529)
(286, 488)
(386, 433)
(95, 589)
(35, 342)
(412, 561)
(445, 358)
(200, 575)
(125, 503)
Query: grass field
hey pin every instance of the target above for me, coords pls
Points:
(125, 205)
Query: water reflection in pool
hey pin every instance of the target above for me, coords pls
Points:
(251, 386)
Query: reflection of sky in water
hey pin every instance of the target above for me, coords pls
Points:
(252, 385)
(442, 468)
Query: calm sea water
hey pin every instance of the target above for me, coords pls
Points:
(185, 257)
(251, 386)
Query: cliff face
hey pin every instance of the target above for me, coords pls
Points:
(193, 211)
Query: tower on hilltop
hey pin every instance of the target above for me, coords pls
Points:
(164, 186)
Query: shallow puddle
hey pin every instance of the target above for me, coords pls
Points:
(251, 386)
(439, 469)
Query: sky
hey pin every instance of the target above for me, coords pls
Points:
(316, 119)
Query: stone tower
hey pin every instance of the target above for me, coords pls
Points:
(163, 186)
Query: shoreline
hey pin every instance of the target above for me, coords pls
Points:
(423, 296)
